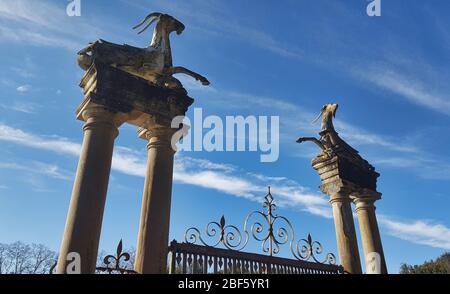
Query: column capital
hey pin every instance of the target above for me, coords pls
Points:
(365, 199)
(158, 136)
(339, 191)
(340, 197)
(95, 114)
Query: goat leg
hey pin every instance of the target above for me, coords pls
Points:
(183, 70)
(311, 139)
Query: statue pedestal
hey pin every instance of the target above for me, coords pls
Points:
(138, 101)
(349, 168)
(347, 178)
(111, 98)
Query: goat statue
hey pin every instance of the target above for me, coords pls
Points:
(153, 63)
(329, 141)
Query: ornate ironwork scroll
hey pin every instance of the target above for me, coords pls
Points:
(230, 236)
(272, 230)
(113, 263)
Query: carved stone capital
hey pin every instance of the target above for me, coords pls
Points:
(95, 112)
(365, 199)
(337, 187)
(98, 116)
(332, 187)
(158, 137)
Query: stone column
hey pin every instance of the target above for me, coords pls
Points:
(370, 233)
(84, 219)
(345, 232)
(153, 238)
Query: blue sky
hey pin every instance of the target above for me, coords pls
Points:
(286, 58)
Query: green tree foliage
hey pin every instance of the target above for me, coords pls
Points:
(439, 266)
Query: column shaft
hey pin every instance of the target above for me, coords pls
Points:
(84, 219)
(346, 234)
(153, 238)
(370, 233)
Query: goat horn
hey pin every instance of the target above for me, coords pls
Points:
(149, 24)
(317, 118)
(154, 14)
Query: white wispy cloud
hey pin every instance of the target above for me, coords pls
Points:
(295, 120)
(419, 232)
(37, 38)
(411, 87)
(228, 179)
(22, 10)
(399, 72)
(25, 107)
(426, 167)
(129, 162)
(23, 88)
(206, 164)
(125, 160)
(228, 184)
(43, 23)
(46, 24)
(359, 136)
(59, 145)
(215, 19)
(250, 186)
(221, 177)
(39, 168)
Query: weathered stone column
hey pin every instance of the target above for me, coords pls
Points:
(84, 219)
(153, 238)
(369, 231)
(345, 231)
(347, 177)
(112, 97)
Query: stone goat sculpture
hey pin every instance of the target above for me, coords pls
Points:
(329, 141)
(153, 63)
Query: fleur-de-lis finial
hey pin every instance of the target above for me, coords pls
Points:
(222, 222)
(113, 262)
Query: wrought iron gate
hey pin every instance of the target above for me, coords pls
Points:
(203, 258)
